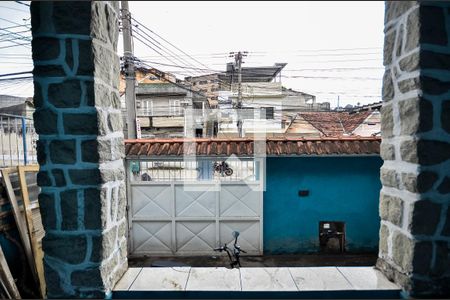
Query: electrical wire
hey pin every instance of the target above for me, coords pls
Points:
(320, 50)
(12, 22)
(221, 54)
(16, 78)
(17, 87)
(16, 45)
(323, 61)
(16, 26)
(22, 3)
(179, 85)
(12, 8)
(17, 73)
(324, 69)
(12, 32)
(283, 76)
(168, 42)
(19, 36)
(147, 40)
(190, 68)
(168, 51)
(146, 44)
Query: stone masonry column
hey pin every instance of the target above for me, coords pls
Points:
(80, 147)
(415, 198)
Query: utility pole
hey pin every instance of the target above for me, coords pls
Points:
(238, 63)
(128, 61)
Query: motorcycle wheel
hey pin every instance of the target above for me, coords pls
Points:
(229, 172)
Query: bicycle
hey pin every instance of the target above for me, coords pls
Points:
(235, 253)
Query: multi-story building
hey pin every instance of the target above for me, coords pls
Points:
(161, 105)
(161, 109)
(265, 102)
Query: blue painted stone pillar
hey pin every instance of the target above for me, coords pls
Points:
(80, 146)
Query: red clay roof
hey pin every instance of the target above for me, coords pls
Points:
(245, 147)
(335, 123)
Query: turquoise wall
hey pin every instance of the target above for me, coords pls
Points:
(340, 189)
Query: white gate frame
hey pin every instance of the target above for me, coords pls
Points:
(173, 219)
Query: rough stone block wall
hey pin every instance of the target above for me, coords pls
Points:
(415, 198)
(80, 147)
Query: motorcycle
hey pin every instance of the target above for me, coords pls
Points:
(223, 168)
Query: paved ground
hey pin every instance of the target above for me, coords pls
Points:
(303, 260)
(255, 283)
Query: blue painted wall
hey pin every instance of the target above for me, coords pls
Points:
(340, 189)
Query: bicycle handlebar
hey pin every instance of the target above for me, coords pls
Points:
(224, 248)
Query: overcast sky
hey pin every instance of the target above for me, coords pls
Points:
(301, 34)
(331, 48)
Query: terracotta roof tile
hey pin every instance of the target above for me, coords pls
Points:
(335, 124)
(245, 147)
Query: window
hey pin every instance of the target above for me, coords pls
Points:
(267, 112)
(175, 107)
(203, 82)
(147, 108)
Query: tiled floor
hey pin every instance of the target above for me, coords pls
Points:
(296, 279)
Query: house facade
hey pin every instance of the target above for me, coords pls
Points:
(266, 104)
(161, 104)
(181, 204)
(161, 109)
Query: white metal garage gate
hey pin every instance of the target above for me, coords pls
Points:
(170, 218)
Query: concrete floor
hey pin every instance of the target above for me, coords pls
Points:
(297, 260)
(255, 283)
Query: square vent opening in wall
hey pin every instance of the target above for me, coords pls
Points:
(332, 236)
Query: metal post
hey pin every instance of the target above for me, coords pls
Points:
(128, 59)
(2, 132)
(24, 140)
(238, 59)
(9, 136)
(17, 141)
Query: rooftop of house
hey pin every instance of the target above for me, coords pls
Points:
(249, 74)
(166, 88)
(246, 147)
(294, 92)
(333, 124)
(371, 106)
(252, 74)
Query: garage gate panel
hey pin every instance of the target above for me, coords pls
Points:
(192, 219)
